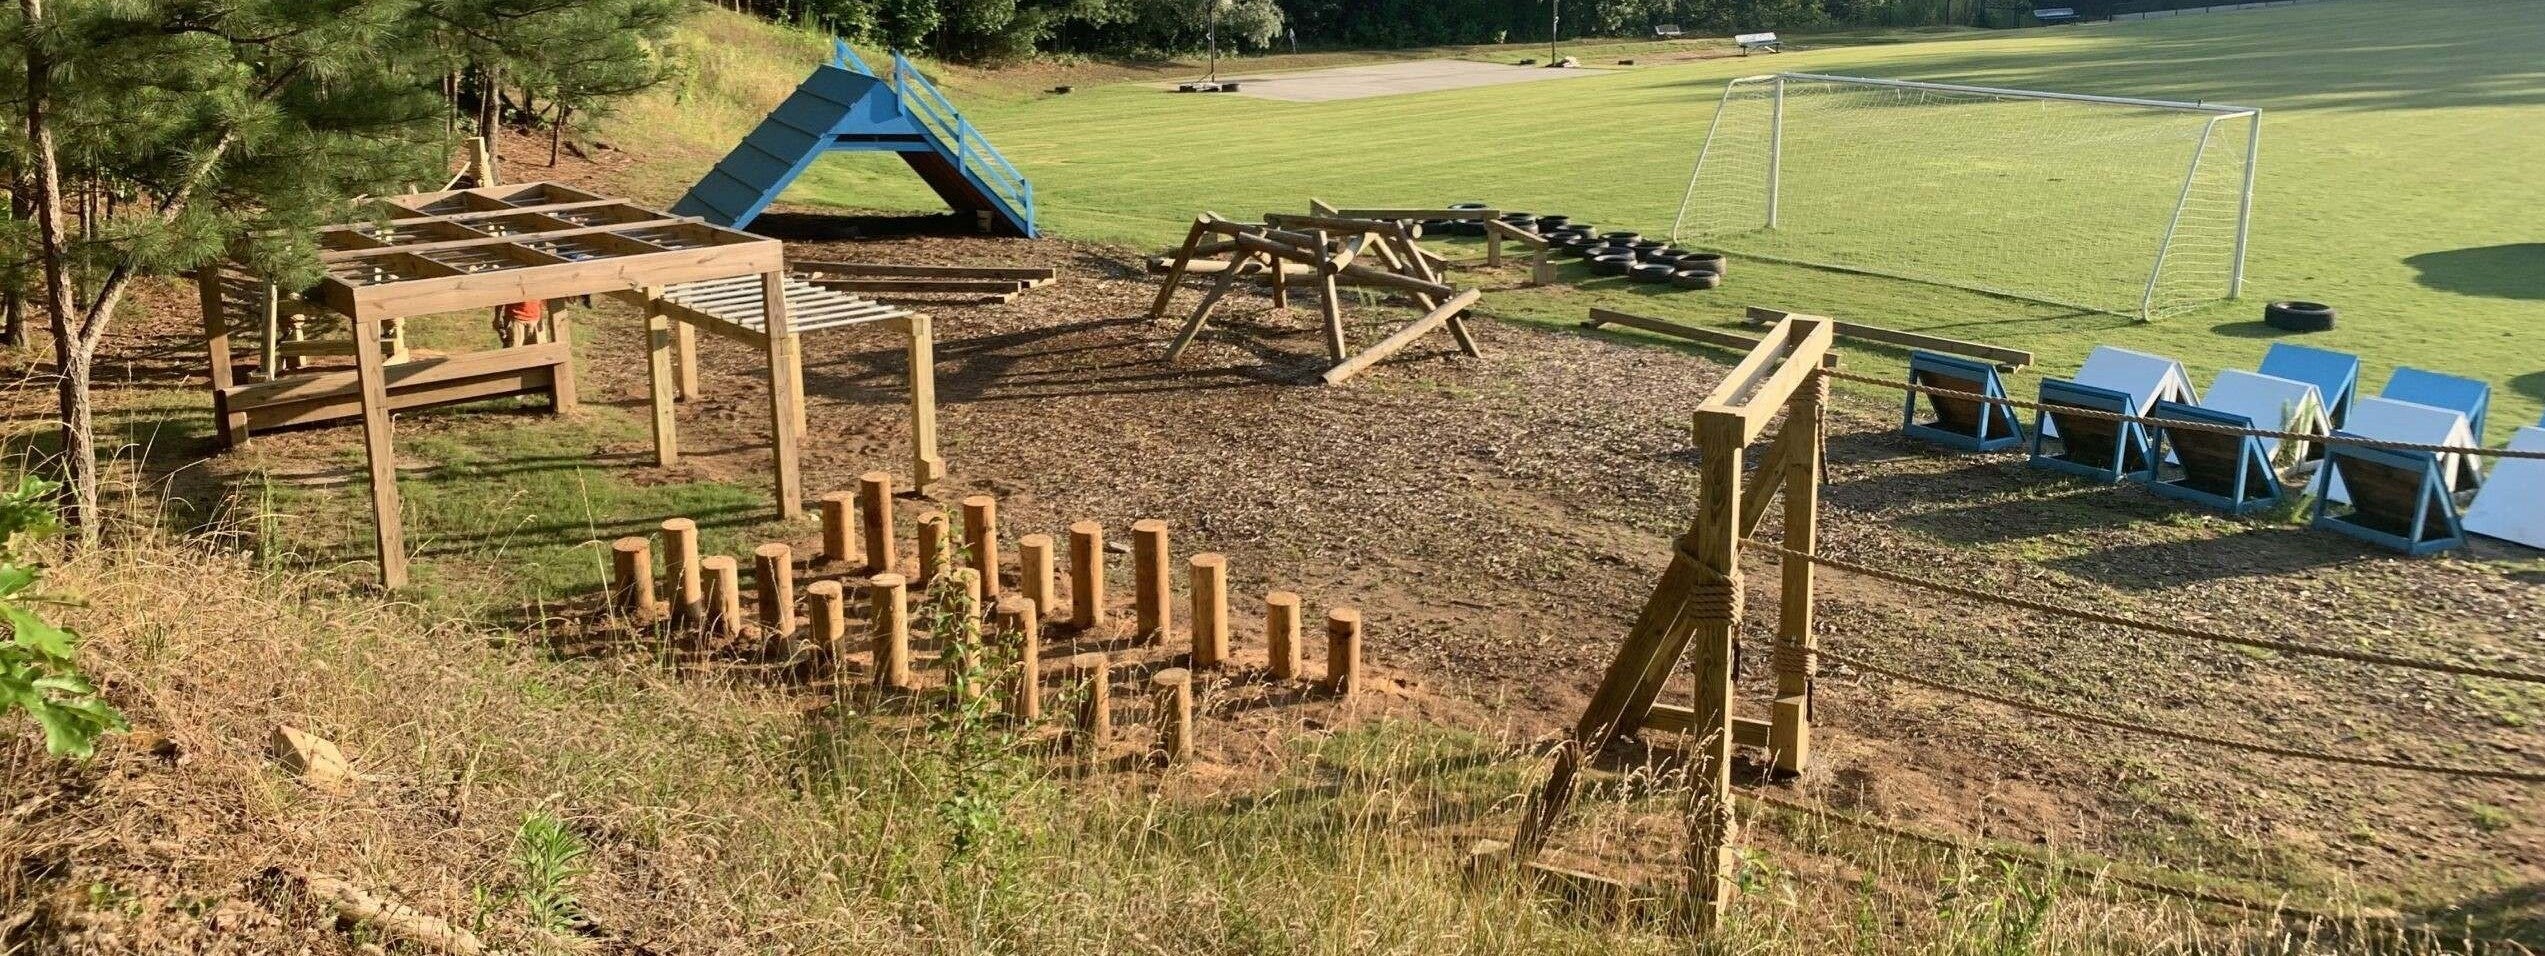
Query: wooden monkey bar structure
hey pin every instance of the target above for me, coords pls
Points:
(473, 250)
(1697, 606)
(1332, 251)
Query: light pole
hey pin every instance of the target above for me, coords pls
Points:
(1554, 27)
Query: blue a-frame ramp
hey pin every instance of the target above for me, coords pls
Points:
(845, 106)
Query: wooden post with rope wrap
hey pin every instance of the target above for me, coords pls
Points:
(1699, 601)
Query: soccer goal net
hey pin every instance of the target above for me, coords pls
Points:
(2105, 204)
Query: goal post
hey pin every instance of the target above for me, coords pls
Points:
(2120, 205)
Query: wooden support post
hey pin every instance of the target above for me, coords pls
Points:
(561, 392)
(632, 579)
(932, 548)
(1330, 299)
(826, 616)
(782, 390)
(658, 364)
(1175, 273)
(1019, 620)
(795, 384)
(1280, 285)
(1493, 247)
(680, 565)
(981, 540)
(1202, 310)
(1343, 651)
(1034, 572)
(1790, 733)
(773, 573)
(1149, 585)
(1173, 688)
(216, 344)
(1086, 575)
(875, 510)
(1716, 609)
(1281, 633)
(724, 596)
(685, 355)
(388, 524)
(269, 344)
(1210, 610)
(926, 465)
(888, 604)
(1543, 272)
(839, 527)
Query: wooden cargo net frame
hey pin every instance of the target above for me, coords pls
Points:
(473, 250)
(1698, 603)
(1331, 251)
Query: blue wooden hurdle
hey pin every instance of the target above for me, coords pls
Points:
(2398, 499)
(2335, 375)
(2465, 396)
(1961, 423)
(2229, 472)
(2105, 451)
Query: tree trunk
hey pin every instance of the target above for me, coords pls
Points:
(557, 133)
(79, 438)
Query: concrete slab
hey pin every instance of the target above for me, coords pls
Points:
(1389, 79)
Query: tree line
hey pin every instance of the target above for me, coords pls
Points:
(993, 30)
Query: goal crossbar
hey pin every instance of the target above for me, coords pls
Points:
(2219, 109)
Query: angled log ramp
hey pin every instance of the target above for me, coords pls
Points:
(1696, 610)
(1330, 249)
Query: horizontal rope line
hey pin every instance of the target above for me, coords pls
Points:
(2486, 773)
(2181, 425)
(2177, 630)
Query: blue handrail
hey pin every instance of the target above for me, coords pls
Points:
(847, 59)
(939, 115)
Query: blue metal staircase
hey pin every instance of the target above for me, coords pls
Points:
(845, 106)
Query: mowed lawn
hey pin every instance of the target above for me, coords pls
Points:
(2399, 178)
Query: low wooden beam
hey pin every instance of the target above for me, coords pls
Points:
(1731, 340)
(2007, 359)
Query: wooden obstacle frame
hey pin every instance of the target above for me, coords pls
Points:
(1964, 423)
(1696, 609)
(2230, 472)
(1331, 251)
(2089, 446)
(2398, 499)
(473, 250)
(892, 282)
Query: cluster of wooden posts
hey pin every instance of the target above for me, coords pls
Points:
(701, 597)
(1330, 248)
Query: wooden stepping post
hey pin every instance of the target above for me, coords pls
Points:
(1173, 688)
(1281, 633)
(875, 511)
(773, 572)
(680, 565)
(826, 616)
(839, 527)
(1210, 610)
(1343, 651)
(1094, 671)
(632, 579)
(888, 602)
(932, 548)
(981, 539)
(724, 596)
(1019, 620)
(1034, 572)
(1086, 575)
(1149, 585)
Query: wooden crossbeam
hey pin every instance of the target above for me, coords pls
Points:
(1732, 340)
(1434, 319)
(892, 270)
(2007, 359)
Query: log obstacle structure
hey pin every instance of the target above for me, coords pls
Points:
(1696, 610)
(402, 258)
(846, 608)
(1330, 251)
(918, 284)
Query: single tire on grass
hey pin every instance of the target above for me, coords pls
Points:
(1696, 279)
(2290, 315)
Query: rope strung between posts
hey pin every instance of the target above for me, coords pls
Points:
(2160, 627)
(2487, 773)
(2181, 425)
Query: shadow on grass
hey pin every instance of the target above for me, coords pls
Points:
(2286, 552)
(2513, 271)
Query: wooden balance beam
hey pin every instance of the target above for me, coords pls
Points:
(336, 394)
(2008, 360)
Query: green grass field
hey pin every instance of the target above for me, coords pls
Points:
(2397, 176)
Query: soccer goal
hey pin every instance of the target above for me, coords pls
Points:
(2099, 203)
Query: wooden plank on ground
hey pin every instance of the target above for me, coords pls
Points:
(892, 270)
(2007, 359)
(972, 286)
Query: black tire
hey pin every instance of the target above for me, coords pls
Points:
(1709, 261)
(1463, 206)
(1622, 238)
(1584, 250)
(1656, 253)
(1612, 264)
(1554, 222)
(1650, 272)
(1696, 279)
(2289, 315)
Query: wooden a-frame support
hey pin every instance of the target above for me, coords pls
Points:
(1695, 611)
(1331, 249)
